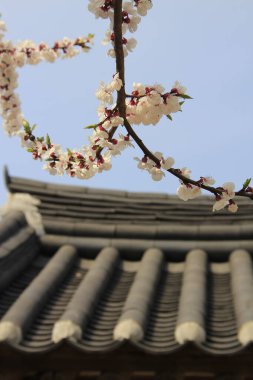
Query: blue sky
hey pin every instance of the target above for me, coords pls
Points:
(206, 45)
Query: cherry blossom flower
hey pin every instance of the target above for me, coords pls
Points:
(131, 19)
(232, 207)
(143, 6)
(186, 172)
(188, 191)
(225, 199)
(154, 169)
(170, 105)
(103, 94)
(100, 8)
(116, 83)
(113, 121)
(179, 88)
(208, 181)
(156, 173)
(220, 203)
(229, 188)
(144, 163)
(103, 162)
(167, 163)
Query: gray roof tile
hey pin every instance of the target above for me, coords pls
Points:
(144, 277)
(35, 296)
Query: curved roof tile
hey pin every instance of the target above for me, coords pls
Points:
(144, 274)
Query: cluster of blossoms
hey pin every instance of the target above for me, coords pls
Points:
(26, 52)
(105, 91)
(188, 191)
(155, 170)
(147, 104)
(131, 12)
(82, 163)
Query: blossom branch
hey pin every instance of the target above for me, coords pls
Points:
(176, 172)
(121, 103)
(120, 64)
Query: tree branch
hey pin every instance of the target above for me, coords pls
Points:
(120, 64)
(121, 104)
(119, 53)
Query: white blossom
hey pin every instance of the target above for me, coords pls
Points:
(111, 53)
(104, 163)
(130, 44)
(167, 163)
(225, 199)
(113, 122)
(232, 207)
(56, 169)
(48, 55)
(158, 155)
(132, 115)
(186, 192)
(144, 163)
(186, 172)
(99, 133)
(133, 18)
(124, 142)
(139, 88)
(156, 173)
(116, 83)
(170, 105)
(95, 7)
(208, 181)
(229, 188)
(25, 143)
(220, 204)
(107, 38)
(154, 169)
(2, 26)
(143, 6)
(180, 89)
(103, 94)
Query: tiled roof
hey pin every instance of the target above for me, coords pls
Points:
(116, 266)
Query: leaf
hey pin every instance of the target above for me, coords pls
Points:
(48, 141)
(26, 126)
(181, 103)
(92, 126)
(34, 126)
(30, 150)
(69, 152)
(184, 96)
(40, 139)
(246, 183)
(169, 117)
